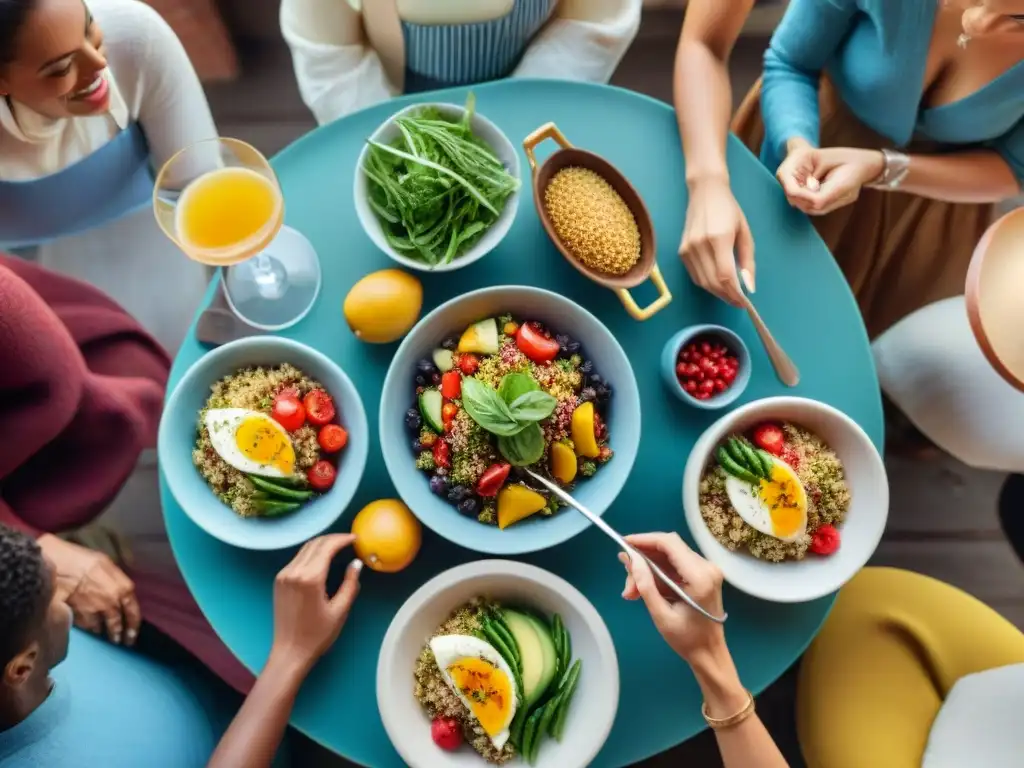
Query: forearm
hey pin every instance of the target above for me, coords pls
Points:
(700, 83)
(256, 732)
(747, 744)
(973, 176)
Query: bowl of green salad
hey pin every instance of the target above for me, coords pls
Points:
(437, 186)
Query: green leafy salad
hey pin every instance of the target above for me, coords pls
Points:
(437, 188)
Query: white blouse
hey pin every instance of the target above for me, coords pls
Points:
(339, 73)
(151, 81)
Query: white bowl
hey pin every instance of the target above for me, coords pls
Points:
(594, 704)
(491, 135)
(797, 581)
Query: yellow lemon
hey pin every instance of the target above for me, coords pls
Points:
(383, 306)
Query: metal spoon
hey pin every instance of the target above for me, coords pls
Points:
(785, 369)
(628, 548)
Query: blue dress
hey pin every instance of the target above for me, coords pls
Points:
(875, 53)
(445, 55)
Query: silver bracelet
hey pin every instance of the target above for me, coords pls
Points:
(895, 167)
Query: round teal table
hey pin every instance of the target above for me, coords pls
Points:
(801, 295)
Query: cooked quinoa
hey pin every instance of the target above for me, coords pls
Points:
(438, 699)
(252, 388)
(828, 499)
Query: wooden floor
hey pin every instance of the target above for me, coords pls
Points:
(943, 515)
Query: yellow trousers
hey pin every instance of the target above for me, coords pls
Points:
(875, 677)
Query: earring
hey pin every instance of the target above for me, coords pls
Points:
(963, 40)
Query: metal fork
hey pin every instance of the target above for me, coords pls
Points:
(628, 548)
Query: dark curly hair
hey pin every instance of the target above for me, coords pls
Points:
(12, 18)
(25, 591)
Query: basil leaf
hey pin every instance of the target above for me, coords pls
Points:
(487, 409)
(524, 448)
(514, 385)
(532, 406)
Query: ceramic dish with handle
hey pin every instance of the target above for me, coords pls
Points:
(485, 131)
(540, 595)
(813, 576)
(568, 156)
(406, 381)
(178, 433)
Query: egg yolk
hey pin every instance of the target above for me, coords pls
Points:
(262, 441)
(782, 495)
(487, 689)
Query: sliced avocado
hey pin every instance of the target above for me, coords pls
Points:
(443, 359)
(431, 402)
(549, 656)
(531, 654)
(481, 338)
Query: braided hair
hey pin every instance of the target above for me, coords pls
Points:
(12, 18)
(25, 590)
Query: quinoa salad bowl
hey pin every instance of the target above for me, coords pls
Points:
(788, 496)
(263, 442)
(497, 663)
(493, 382)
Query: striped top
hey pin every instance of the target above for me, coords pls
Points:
(439, 56)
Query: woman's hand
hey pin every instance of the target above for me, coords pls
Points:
(307, 620)
(715, 238)
(686, 631)
(818, 181)
(100, 594)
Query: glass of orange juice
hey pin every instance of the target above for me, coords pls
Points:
(220, 202)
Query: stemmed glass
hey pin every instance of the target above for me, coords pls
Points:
(220, 202)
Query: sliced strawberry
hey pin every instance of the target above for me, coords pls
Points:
(769, 437)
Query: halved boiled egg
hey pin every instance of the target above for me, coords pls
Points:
(776, 506)
(482, 680)
(251, 442)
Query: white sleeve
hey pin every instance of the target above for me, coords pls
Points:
(585, 40)
(164, 92)
(336, 71)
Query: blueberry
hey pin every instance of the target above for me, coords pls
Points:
(595, 380)
(469, 507)
(603, 392)
(457, 493)
(451, 343)
(413, 420)
(422, 381)
(417, 446)
(588, 394)
(438, 485)
(435, 377)
(426, 367)
(563, 342)
(587, 367)
(572, 347)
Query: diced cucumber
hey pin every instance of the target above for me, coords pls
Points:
(443, 359)
(481, 338)
(430, 406)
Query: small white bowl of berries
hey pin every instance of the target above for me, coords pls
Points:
(706, 366)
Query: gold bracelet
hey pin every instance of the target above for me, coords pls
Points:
(718, 724)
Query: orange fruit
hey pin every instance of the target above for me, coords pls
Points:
(388, 535)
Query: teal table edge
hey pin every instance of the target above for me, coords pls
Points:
(234, 587)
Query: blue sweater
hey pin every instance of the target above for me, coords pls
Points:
(111, 708)
(875, 52)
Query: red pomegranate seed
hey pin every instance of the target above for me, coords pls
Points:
(729, 375)
(720, 385)
(690, 386)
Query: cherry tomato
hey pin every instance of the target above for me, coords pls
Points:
(492, 479)
(769, 437)
(319, 407)
(442, 454)
(332, 438)
(446, 733)
(535, 345)
(321, 475)
(469, 363)
(288, 412)
(448, 411)
(292, 392)
(451, 385)
(824, 540)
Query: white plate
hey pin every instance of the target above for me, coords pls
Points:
(797, 581)
(593, 706)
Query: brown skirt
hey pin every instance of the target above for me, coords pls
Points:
(899, 252)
